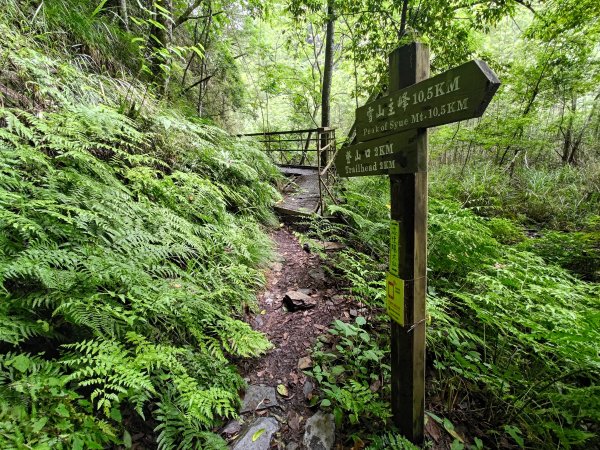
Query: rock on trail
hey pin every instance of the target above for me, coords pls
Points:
(258, 436)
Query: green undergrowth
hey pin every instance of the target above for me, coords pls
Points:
(560, 198)
(513, 339)
(132, 241)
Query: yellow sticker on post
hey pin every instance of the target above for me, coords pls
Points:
(394, 299)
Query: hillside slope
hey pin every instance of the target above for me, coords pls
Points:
(132, 237)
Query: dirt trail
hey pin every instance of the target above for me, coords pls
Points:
(292, 333)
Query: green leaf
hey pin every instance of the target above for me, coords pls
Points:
(282, 390)
(337, 370)
(325, 402)
(451, 431)
(158, 25)
(515, 433)
(62, 410)
(360, 321)
(197, 50)
(99, 7)
(77, 443)
(127, 439)
(258, 434)
(338, 416)
(434, 417)
(21, 363)
(456, 445)
(39, 424)
(115, 414)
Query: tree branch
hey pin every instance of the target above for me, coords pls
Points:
(206, 16)
(187, 13)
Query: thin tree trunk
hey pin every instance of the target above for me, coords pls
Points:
(403, 20)
(124, 14)
(573, 156)
(327, 79)
(159, 39)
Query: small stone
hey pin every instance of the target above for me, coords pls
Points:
(338, 299)
(319, 432)
(292, 446)
(258, 436)
(317, 274)
(277, 267)
(306, 291)
(333, 246)
(259, 397)
(304, 363)
(294, 421)
(258, 320)
(232, 428)
(296, 300)
(307, 390)
(353, 312)
(329, 303)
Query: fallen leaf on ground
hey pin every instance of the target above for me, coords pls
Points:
(432, 429)
(256, 435)
(375, 386)
(304, 363)
(294, 421)
(282, 390)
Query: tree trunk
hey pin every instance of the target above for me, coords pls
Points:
(123, 12)
(403, 20)
(327, 78)
(568, 139)
(160, 38)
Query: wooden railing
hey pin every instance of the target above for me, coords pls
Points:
(313, 148)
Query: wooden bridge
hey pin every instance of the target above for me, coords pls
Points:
(306, 158)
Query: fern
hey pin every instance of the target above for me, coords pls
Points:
(126, 262)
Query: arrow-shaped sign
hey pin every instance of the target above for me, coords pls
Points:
(457, 94)
(389, 155)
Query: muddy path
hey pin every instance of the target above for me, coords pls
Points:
(293, 334)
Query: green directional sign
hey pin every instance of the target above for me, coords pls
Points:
(458, 94)
(389, 155)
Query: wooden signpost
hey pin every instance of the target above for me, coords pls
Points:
(394, 154)
(392, 135)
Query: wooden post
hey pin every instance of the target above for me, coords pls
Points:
(323, 133)
(397, 123)
(410, 65)
(319, 146)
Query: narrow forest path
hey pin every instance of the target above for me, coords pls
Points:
(292, 333)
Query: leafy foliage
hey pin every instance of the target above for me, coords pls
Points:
(128, 248)
(507, 331)
(346, 369)
(134, 283)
